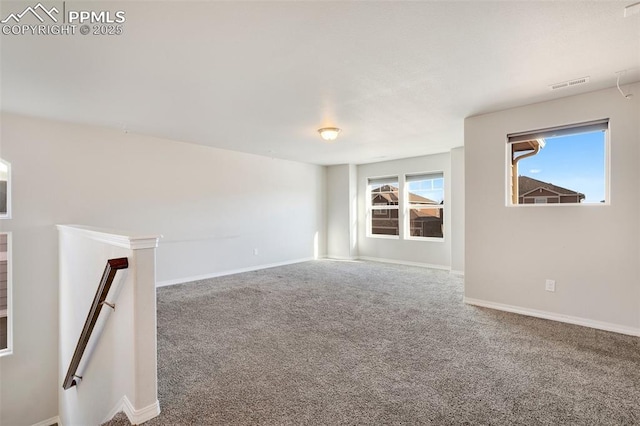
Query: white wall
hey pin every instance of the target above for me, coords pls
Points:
(109, 377)
(457, 210)
(434, 253)
(212, 206)
(591, 251)
(121, 357)
(342, 210)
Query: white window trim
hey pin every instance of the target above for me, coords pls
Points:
(607, 167)
(408, 206)
(384, 236)
(7, 215)
(425, 239)
(9, 311)
(371, 207)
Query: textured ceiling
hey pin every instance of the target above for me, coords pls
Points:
(398, 78)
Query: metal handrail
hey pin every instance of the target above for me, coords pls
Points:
(109, 274)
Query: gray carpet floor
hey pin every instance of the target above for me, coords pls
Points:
(363, 343)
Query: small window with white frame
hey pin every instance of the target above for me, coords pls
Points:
(5, 294)
(425, 205)
(5, 190)
(5, 261)
(383, 201)
(560, 165)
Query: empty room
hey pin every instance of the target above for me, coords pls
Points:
(319, 212)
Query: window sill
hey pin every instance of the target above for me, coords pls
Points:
(384, 237)
(431, 239)
(581, 205)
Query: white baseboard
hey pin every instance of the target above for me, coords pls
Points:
(600, 325)
(345, 258)
(140, 416)
(403, 262)
(230, 272)
(135, 417)
(49, 422)
(458, 273)
(291, 262)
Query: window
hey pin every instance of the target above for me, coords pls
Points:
(425, 205)
(383, 197)
(5, 264)
(5, 190)
(5, 294)
(562, 165)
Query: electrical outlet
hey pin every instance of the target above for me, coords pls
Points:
(550, 285)
(255, 251)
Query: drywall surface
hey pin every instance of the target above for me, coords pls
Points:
(108, 364)
(434, 253)
(590, 250)
(214, 208)
(457, 210)
(342, 211)
(120, 359)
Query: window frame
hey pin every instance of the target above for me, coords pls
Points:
(7, 215)
(563, 130)
(408, 206)
(9, 311)
(540, 200)
(371, 208)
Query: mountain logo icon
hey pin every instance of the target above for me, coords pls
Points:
(39, 11)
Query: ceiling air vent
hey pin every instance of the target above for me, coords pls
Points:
(570, 83)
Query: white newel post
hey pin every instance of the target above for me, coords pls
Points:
(145, 342)
(119, 368)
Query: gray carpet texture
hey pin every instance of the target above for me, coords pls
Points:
(364, 343)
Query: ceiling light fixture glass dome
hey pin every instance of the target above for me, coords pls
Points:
(329, 133)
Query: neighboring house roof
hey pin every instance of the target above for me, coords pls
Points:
(390, 193)
(432, 213)
(527, 185)
(387, 192)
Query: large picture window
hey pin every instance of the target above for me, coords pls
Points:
(561, 165)
(425, 205)
(383, 199)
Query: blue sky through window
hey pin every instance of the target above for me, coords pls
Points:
(575, 162)
(432, 189)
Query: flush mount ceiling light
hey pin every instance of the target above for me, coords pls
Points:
(329, 134)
